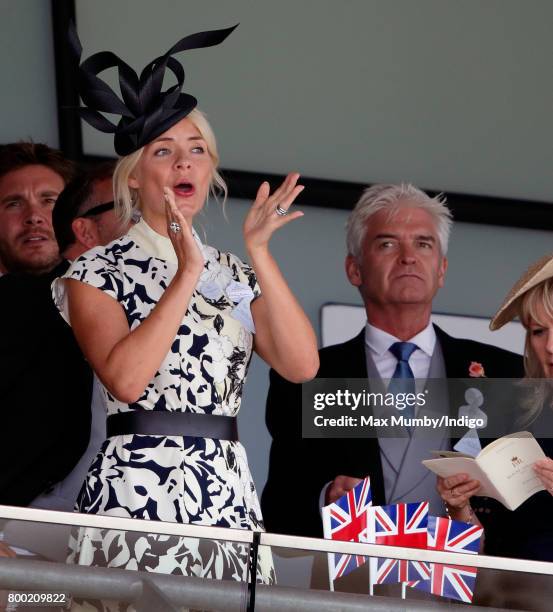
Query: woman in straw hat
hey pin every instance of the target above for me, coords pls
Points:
(169, 325)
(526, 532)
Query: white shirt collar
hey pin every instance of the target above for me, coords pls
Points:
(157, 245)
(380, 341)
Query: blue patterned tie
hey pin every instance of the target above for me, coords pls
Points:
(403, 380)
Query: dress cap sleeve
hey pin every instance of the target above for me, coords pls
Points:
(95, 268)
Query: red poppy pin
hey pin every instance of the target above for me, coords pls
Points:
(476, 370)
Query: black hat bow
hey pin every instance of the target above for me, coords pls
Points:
(146, 111)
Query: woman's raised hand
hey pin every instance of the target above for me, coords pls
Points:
(263, 219)
(188, 252)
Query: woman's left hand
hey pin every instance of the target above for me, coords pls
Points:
(262, 219)
(457, 490)
(544, 471)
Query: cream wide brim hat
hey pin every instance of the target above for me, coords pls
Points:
(536, 274)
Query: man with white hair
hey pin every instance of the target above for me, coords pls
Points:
(397, 238)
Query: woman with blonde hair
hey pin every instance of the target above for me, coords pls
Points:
(168, 325)
(526, 532)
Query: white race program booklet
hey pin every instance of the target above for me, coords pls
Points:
(503, 468)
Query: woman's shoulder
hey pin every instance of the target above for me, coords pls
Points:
(101, 267)
(103, 261)
(111, 253)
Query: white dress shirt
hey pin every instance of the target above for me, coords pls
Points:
(379, 342)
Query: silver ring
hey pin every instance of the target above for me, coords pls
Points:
(174, 227)
(281, 212)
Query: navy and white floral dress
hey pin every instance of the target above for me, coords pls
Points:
(174, 478)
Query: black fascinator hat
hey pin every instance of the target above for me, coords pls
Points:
(146, 111)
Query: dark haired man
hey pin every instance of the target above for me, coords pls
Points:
(45, 382)
(41, 369)
(32, 175)
(60, 419)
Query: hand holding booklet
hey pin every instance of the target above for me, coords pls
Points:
(504, 468)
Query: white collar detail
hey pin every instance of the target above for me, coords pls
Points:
(380, 341)
(157, 245)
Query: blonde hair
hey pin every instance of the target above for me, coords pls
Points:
(127, 200)
(538, 299)
(535, 302)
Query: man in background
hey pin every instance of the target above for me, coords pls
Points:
(83, 218)
(32, 175)
(44, 381)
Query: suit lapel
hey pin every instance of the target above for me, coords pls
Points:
(456, 360)
(349, 362)
(363, 454)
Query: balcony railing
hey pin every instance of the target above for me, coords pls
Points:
(154, 591)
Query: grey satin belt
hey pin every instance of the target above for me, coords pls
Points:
(154, 423)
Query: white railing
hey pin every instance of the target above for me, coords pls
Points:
(272, 539)
(148, 590)
(124, 524)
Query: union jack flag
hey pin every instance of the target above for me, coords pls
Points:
(453, 536)
(386, 571)
(346, 519)
(399, 525)
(453, 581)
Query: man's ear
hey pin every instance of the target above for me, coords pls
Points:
(86, 232)
(352, 271)
(441, 272)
